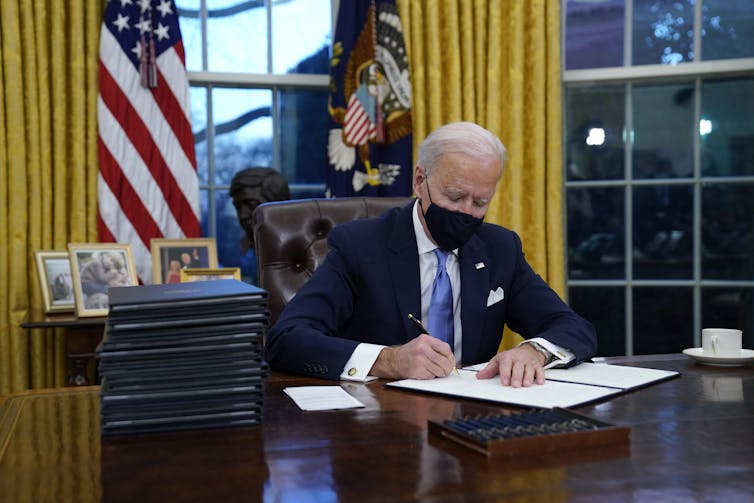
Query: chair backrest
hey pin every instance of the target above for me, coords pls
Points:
(291, 239)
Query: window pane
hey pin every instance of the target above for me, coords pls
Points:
(198, 98)
(663, 232)
(728, 128)
(243, 130)
(191, 32)
(204, 205)
(653, 307)
(303, 136)
(663, 131)
(727, 29)
(605, 308)
(237, 36)
(728, 231)
(229, 231)
(730, 308)
(595, 121)
(595, 233)
(301, 30)
(594, 34)
(663, 32)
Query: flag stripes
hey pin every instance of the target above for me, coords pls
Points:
(148, 187)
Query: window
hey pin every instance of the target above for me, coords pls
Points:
(659, 169)
(259, 80)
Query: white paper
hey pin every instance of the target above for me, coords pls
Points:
(615, 376)
(551, 394)
(322, 398)
(601, 374)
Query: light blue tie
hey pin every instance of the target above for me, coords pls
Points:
(440, 322)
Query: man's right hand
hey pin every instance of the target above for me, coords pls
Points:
(424, 357)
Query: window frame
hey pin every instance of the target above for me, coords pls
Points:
(628, 76)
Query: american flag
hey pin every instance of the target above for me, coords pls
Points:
(147, 186)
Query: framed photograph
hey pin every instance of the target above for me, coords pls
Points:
(169, 256)
(204, 274)
(95, 267)
(54, 271)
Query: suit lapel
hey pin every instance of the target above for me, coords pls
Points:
(403, 261)
(475, 280)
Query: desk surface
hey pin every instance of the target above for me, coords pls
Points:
(692, 439)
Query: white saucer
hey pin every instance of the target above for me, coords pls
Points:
(747, 356)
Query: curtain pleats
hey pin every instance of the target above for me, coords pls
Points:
(48, 167)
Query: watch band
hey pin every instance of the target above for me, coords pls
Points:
(548, 356)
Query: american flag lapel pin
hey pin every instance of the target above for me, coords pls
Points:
(479, 265)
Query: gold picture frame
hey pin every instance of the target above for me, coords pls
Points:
(170, 256)
(55, 281)
(95, 267)
(207, 273)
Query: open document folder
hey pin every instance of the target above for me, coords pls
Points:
(569, 387)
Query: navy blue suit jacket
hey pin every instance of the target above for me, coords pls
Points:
(369, 282)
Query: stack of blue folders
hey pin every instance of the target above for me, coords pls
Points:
(183, 356)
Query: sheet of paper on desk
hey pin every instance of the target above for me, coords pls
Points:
(616, 376)
(601, 374)
(322, 398)
(466, 385)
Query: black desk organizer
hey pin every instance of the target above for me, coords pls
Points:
(532, 431)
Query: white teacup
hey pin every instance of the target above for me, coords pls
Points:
(723, 342)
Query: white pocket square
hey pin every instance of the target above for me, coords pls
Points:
(495, 296)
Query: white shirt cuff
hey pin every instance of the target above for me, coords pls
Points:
(560, 355)
(360, 363)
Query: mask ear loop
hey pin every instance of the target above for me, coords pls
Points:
(426, 180)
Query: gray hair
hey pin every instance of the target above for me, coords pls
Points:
(464, 138)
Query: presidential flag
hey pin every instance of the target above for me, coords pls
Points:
(147, 186)
(369, 142)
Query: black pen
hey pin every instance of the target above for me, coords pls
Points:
(424, 330)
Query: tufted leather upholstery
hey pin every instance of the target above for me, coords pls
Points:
(291, 239)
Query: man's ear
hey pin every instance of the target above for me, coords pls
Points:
(420, 175)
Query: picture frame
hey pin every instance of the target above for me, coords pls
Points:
(207, 273)
(55, 281)
(95, 267)
(169, 256)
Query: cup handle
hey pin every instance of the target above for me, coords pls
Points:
(713, 340)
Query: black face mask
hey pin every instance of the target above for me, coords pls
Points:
(449, 229)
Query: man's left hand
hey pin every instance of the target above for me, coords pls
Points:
(517, 367)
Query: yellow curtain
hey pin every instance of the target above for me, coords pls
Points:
(48, 166)
(497, 63)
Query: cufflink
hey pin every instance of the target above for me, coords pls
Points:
(352, 371)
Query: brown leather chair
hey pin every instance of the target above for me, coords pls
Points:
(291, 239)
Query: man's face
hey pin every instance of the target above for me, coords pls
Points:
(459, 183)
(245, 210)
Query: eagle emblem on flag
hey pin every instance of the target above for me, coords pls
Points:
(370, 105)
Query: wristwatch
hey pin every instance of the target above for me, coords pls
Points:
(548, 356)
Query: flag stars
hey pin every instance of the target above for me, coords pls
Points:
(144, 4)
(164, 8)
(121, 23)
(144, 25)
(137, 50)
(162, 31)
(123, 3)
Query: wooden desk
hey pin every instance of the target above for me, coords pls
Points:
(692, 439)
(81, 338)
